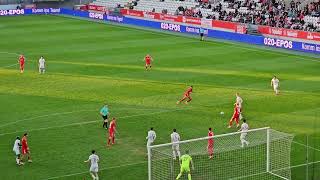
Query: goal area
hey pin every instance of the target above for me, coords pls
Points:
(266, 157)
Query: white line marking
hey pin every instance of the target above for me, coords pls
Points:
(306, 146)
(90, 122)
(124, 165)
(16, 54)
(278, 176)
(62, 113)
(300, 165)
(3, 52)
(42, 116)
(112, 167)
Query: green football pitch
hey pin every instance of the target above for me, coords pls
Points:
(89, 64)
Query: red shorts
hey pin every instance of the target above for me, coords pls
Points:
(235, 116)
(21, 65)
(186, 95)
(111, 134)
(25, 151)
(148, 63)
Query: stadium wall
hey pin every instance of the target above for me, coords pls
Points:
(167, 26)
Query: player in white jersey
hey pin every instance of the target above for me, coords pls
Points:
(239, 101)
(275, 83)
(244, 131)
(94, 167)
(16, 150)
(175, 139)
(151, 137)
(42, 65)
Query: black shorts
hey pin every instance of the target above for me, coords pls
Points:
(201, 34)
(105, 117)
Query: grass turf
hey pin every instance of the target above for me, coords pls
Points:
(91, 63)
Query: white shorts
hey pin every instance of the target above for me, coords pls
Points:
(275, 88)
(149, 143)
(243, 136)
(16, 151)
(94, 169)
(175, 147)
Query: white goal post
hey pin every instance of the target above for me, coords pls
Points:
(266, 157)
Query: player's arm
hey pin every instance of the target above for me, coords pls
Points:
(192, 164)
(155, 136)
(87, 161)
(271, 84)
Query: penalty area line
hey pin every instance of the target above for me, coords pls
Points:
(90, 122)
(112, 167)
(313, 148)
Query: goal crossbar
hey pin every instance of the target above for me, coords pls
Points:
(207, 137)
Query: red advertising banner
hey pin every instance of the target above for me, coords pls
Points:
(289, 33)
(191, 20)
(92, 7)
(224, 25)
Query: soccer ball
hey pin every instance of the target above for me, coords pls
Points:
(221, 113)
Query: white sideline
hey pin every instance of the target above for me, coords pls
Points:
(90, 122)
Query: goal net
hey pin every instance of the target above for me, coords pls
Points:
(267, 156)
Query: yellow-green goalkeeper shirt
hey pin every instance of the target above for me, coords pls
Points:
(185, 159)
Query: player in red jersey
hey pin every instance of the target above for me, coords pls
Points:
(148, 60)
(21, 63)
(112, 130)
(186, 95)
(210, 143)
(235, 116)
(25, 147)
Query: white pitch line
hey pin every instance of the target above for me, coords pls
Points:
(307, 146)
(112, 167)
(305, 164)
(88, 122)
(3, 52)
(9, 65)
(42, 116)
(124, 165)
(63, 113)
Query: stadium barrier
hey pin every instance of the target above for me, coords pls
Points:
(163, 24)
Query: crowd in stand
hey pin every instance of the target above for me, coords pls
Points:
(273, 13)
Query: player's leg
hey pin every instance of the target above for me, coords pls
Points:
(95, 173)
(92, 175)
(174, 152)
(189, 176)
(189, 99)
(181, 172)
(113, 138)
(210, 151)
(178, 151)
(237, 121)
(29, 157)
(21, 68)
(182, 99)
(109, 139)
(230, 122)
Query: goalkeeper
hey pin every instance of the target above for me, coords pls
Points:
(185, 165)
